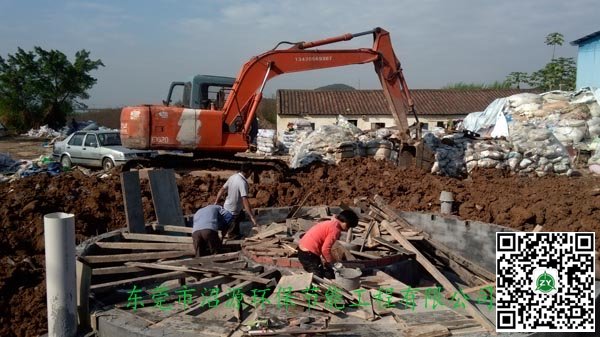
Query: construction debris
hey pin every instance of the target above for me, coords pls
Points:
(155, 278)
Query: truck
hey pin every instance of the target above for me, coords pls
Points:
(216, 116)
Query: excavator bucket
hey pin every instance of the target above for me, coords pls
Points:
(417, 155)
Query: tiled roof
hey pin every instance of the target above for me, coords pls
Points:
(372, 102)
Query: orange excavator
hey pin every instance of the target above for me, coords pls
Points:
(223, 124)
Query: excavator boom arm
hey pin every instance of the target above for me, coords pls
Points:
(247, 90)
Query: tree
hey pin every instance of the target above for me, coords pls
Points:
(554, 39)
(516, 78)
(559, 74)
(43, 87)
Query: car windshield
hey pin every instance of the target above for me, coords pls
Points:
(109, 139)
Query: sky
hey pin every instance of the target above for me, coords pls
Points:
(145, 45)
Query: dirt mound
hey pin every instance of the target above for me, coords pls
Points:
(557, 203)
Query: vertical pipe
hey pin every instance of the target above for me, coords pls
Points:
(59, 239)
(446, 200)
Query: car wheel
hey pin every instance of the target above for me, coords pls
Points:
(107, 164)
(65, 161)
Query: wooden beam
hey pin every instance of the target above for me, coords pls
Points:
(469, 265)
(371, 224)
(84, 280)
(157, 238)
(165, 197)
(168, 228)
(481, 287)
(132, 200)
(365, 255)
(116, 270)
(105, 287)
(197, 309)
(393, 246)
(448, 286)
(135, 256)
(145, 246)
(232, 274)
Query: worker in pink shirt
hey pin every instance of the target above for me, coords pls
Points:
(318, 241)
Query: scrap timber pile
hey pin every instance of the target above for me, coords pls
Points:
(151, 281)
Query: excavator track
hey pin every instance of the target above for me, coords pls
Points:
(188, 163)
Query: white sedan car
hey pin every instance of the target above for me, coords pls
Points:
(95, 148)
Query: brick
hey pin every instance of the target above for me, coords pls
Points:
(283, 262)
(294, 263)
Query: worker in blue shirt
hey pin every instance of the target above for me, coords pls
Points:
(208, 221)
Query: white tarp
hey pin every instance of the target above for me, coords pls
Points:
(484, 122)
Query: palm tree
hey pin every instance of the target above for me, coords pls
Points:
(554, 39)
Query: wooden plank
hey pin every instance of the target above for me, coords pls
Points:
(294, 331)
(145, 246)
(371, 224)
(448, 286)
(132, 200)
(280, 228)
(429, 330)
(165, 197)
(204, 283)
(157, 238)
(471, 266)
(478, 288)
(135, 256)
(168, 228)
(234, 274)
(393, 246)
(84, 280)
(204, 259)
(224, 295)
(296, 282)
(365, 255)
(104, 287)
(116, 270)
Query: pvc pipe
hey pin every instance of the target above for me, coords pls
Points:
(446, 199)
(59, 239)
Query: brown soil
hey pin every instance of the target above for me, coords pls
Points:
(557, 203)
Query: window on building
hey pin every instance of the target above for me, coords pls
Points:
(376, 126)
(312, 126)
(440, 124)
(353, 122)
(424, 126)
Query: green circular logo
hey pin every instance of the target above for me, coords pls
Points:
(545, 283)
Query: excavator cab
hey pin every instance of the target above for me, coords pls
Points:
(202, 92)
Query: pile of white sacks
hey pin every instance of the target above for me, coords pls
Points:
(300, 127)
(266, 141)
(331, 143)
(530, 134)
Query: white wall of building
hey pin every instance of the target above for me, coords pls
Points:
(363, 123)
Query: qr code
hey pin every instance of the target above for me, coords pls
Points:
(545, 282)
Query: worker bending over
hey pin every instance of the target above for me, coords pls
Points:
(318, 241)
(208, 221)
